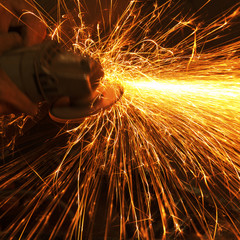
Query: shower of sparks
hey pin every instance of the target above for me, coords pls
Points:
(163, 162)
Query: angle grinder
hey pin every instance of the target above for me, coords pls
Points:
(70, 83)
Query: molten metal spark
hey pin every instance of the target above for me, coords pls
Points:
(162, 163)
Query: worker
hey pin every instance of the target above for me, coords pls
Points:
(17, 30)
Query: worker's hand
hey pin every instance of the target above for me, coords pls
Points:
(18, 28)
(19, 25)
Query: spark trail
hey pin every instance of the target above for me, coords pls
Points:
(162, 163)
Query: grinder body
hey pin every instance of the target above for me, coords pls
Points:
(70, 83)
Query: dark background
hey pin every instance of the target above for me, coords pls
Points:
(205, 15)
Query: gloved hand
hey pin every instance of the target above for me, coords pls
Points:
(18, 28)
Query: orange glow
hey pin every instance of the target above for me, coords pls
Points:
(167, 153)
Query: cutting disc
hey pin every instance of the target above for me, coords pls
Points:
(64, 111)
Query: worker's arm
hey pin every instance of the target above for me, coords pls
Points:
(17, 29)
